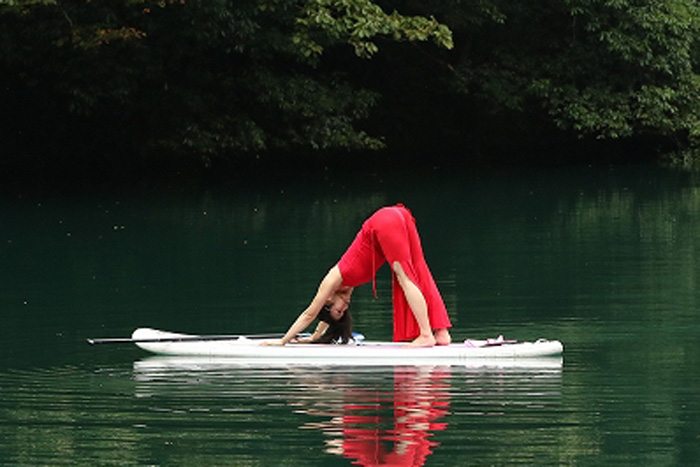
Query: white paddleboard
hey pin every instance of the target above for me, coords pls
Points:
(366, 351)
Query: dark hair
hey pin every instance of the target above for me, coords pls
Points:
(338, 331)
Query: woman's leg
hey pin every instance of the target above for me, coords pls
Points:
(416, 301)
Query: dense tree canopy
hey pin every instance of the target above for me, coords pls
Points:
(606, 68)
(223, 79)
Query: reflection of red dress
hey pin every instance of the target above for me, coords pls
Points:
(390, 235)
(418, 400)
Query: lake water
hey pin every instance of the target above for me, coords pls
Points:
(604, 259)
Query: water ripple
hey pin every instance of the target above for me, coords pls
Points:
(169, 410)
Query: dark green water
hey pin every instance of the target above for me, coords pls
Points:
(605, 260)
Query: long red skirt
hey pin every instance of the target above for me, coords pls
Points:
(390, 235)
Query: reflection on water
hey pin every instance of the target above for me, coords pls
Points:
(185, 411)
(392, 427)
(370, 415)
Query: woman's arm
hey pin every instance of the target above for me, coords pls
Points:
(329, 284)
(320, 330)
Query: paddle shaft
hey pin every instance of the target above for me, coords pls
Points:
(128, 340)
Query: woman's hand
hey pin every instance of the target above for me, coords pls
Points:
(272, 343)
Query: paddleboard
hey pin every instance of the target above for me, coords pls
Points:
(365, 351)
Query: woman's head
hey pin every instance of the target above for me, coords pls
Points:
(339, 302)
(339, 324)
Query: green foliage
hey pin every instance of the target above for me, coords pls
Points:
(603, 68)
(222, 78)
(358, 22)
(209, 78)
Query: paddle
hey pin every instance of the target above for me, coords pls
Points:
(128, 340)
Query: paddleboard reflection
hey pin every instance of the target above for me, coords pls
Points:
(371, 415)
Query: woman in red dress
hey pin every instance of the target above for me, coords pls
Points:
(390, 236)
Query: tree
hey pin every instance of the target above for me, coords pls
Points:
(196, 77)
(602, 69)
(224, 78)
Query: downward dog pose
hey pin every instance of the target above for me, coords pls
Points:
(388, 236)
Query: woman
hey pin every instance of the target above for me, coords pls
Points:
(390, 236)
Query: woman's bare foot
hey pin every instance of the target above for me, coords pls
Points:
(423, 341)
(442, 337)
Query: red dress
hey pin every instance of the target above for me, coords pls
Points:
(390, 235)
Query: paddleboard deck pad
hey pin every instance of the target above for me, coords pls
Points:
(247, 348)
